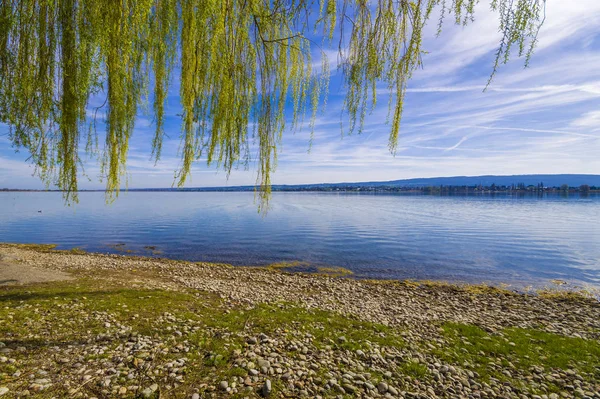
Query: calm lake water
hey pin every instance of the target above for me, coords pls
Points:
(494, 239)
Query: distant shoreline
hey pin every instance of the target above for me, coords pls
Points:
(538, 183)
(425, 190)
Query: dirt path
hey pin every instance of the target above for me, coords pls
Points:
(12, 273)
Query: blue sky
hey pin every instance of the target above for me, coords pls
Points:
(543, 119)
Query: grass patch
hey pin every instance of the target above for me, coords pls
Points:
(484, 289)
(33, 247)
(287, 265)
(519, 349)
(72, 307)
(65, 319)
(414, 369)
(334, 271)
(77, 251)
(327, 328)
(298, 266)
(566, 295)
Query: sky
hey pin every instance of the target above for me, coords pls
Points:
(541, 119)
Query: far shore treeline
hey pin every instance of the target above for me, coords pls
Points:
(391, 189)
(518, 184)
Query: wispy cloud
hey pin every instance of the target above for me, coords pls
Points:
(593, 88)
(589, 120)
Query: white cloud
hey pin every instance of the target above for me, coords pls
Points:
(589, 121)
(592, 87)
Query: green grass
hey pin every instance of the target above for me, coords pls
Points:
(326, 327)
(33, 247)
(334, 271)
(415, 370)
(69, 314)
(521, 350)
(331, 271)
(287, 265)
(136, 307)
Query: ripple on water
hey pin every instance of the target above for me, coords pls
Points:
(471, 239)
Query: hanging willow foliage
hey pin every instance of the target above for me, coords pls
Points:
(242, 64)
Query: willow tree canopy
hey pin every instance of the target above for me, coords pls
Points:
(243, 64)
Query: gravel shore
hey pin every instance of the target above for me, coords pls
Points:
(417, 340)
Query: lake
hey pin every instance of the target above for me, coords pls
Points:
(492, 239)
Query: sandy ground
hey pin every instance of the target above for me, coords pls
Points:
(15, 273)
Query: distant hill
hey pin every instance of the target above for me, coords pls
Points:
(572, 180)
(487, 180)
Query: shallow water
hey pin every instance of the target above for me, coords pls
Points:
(497, 239)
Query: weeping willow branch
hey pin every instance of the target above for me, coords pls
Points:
(243, 64)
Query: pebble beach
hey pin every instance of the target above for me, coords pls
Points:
(213, 330)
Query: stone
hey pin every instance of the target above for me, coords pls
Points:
(223, 385)
(267, 388)
(349, 388)
(3, 391)
(340, 389)
(382, 387)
